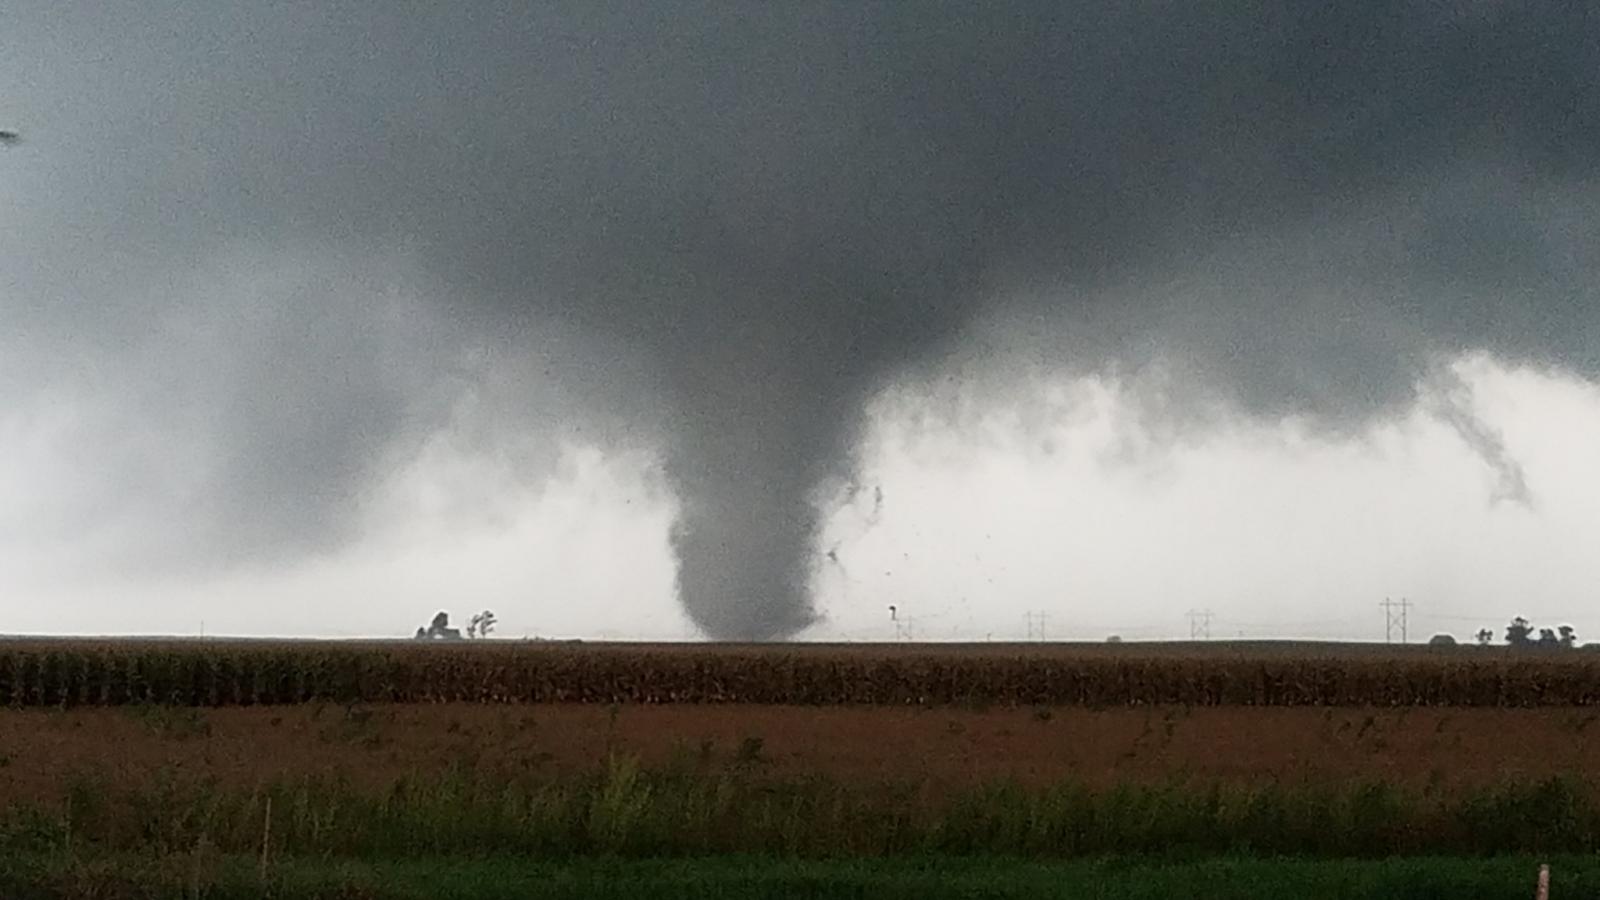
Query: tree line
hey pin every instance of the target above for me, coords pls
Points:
(1522, 634)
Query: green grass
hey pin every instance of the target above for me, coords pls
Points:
(1118, 878)
(627, 832)
(626, 811)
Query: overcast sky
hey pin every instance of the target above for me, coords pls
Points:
(751, 321)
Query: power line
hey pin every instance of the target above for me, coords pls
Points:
(1393, 619)
(1348, 621)
(1200, 623)
(1495, 617)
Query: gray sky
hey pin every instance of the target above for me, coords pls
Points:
(319, 316)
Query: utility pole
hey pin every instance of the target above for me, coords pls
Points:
(1394, 616)
(902, 624)
(1200, 624)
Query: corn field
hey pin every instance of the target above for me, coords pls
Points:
(78, 673)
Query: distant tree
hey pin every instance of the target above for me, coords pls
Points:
(1442, 640)
(1569, 637)
(481, 624)
(422, 634)
(1484, 636)
(7, 138)
(1548, 639)
(1114, 639)
(1519, 633)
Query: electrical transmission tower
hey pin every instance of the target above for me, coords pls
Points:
(1394, 616)
(1200, 624)
(1036, 624)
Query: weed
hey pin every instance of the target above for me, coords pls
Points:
(30, 829)
(1367, 725)
(177, 722)
(354, 726)
(750, 751)
(632, 811)
(1436, 782)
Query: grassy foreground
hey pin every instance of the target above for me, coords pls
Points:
(225, 877)
(627, 811)
(629, 832)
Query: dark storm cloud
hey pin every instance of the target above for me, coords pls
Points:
(766, 213)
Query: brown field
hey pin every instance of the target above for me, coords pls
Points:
(940, 716)
(43, 751)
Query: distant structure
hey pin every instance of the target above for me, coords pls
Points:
(903, 625)
(9, 138)
(439, 629)
(1036, 624)
(1394, 618)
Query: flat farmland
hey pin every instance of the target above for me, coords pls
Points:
(74, 673)
(241, 761)
(936, 749)
(935, 716)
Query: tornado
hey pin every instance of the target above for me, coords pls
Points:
(755, 218)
